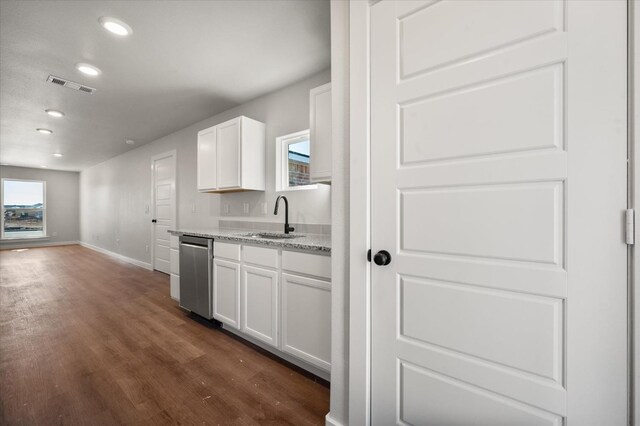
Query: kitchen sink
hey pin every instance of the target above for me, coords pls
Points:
(271, 235)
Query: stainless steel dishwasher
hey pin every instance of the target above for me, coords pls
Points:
(196, 279)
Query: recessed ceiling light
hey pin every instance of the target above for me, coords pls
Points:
(44, 167)
(88, 69)
(130, 142)
(54, 113)
(57, 154)
(115, 26)
(45, 131)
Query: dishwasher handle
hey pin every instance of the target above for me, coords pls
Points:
(194, 246)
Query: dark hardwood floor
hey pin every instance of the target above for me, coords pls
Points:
(86, 339)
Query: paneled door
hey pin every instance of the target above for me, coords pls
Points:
(163, 169)
(498, 176)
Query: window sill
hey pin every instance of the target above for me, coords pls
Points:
(14, 239)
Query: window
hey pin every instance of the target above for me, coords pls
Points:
(23, 209)
(293, 157)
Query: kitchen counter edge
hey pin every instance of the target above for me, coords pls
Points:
(308, 242)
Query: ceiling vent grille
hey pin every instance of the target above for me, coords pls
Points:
(70, 84)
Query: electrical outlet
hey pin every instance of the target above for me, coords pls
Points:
(226, 208)
(193, 208)
(55, 234)
(118, 241)
(146, 249)
(245, 208)
(146, 208)
(264, 208)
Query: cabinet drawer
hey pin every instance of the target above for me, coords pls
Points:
(226, 250)
(262, 256)
(306, 263)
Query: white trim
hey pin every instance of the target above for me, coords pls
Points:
(282, 169)
(359, 205)
(44, 206)
(174, 195)
(330, 421)
(136, 262)
(5, 245)
(634, 196)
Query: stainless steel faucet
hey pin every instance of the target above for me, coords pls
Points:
(287, 228)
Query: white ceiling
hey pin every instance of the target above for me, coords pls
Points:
(185, 61)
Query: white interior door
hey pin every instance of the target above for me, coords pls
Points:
(498, 176)
(163, 169)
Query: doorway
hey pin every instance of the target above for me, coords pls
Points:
(163, 208)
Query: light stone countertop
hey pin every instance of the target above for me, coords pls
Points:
(309, 242)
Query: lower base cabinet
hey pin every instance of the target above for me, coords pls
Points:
(306, 319)
(260, 304)
(280, 299)
(226, 292)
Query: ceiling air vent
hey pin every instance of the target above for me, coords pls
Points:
(70, 84)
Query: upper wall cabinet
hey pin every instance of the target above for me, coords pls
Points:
(320, 125)
(231, 156)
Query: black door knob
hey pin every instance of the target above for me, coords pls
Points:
(153, 220)
(382, 258)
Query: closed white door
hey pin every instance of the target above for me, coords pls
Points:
(260, 303)
(498, 176)
(163, 169)
(228, 153)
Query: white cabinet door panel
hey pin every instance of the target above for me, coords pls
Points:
(207, 174)
(320, 135)
(228, 152)
(226, 292)
(260, 304)
(306, 319)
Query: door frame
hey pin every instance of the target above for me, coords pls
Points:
(359, 209)
(174, 195)
(633, 87)
(360, 203)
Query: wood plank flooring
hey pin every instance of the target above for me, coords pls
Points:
(87, 339)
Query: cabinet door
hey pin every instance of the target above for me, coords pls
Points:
(320, 125)
(207, 175)
(228, 142)
(306, 319)
(226, 292)
(260, 304)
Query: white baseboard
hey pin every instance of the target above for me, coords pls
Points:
(5, 245)
(139, 263)
(330, 421)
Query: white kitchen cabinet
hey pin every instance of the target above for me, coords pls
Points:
(260, 303)
(320, 134)
(226, 292)
(306, 319)
(231, 156)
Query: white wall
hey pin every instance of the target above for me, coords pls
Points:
(115, 193)
(62, 207)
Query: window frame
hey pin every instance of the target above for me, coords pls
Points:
(44, 209)
(282, 161)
